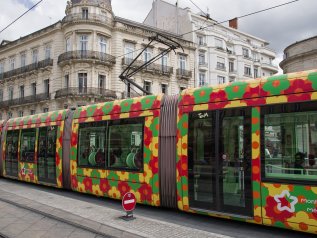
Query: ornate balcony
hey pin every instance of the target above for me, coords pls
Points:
(183, 74)
(88, 92)
(153, 68)
(270, 66)
(28, 68)
(25, 100)
(91, 17)
(86, 55)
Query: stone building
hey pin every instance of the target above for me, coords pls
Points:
(302, 55)
(78, 60)
(224, 54)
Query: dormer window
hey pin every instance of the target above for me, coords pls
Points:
(84, 12)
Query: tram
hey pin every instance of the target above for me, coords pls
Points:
(245, 150)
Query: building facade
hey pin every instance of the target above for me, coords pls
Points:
(78, 60)
(301, 55)
(223, 54)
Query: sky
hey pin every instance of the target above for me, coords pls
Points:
(280, 27)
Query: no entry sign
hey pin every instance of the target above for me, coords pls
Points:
(128, 202)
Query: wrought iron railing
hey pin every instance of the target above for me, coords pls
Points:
(156, 68)
(183, 73)
(78, 91)
(77, 17)
(25, 100)
(28, 68)
(86, 54)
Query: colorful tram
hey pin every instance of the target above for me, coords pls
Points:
(245, 151)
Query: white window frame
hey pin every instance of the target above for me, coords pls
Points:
(147, 54)
(103, 44)
(147, 85)
(68, 44)
(12, 63)
(182, 62)
(202, 79)
(47, 52)
(218, 43)
(23, 59)
(83, 42)
(10, 93)
(247, 70)
(221, 79)
(35, 55)
(166, 88)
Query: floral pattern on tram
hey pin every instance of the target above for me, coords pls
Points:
(294, 87)
(111, 182)
(29, 171)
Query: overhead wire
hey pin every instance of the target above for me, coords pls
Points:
(21, 16)
(201, 28)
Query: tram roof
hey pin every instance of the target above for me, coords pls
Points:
(299, 82)
(129, 105)
(41, 119)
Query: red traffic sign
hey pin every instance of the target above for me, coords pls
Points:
(128, 202)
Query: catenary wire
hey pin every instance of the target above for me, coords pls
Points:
(21, 16)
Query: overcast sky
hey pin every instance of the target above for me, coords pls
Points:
(281, 26)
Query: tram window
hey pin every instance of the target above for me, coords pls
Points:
(27, 145)
(290, 143)
(125, 144)
(91, 145)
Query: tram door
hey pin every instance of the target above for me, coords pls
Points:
(11, 156)
(47, 154)
(219, 161)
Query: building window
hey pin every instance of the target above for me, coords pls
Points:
(218, 43)
(82, 82)
(200, 40)
(221, 79)
(231, 66)
(256, 72)
(147, 54)
(11, 93)
(12, 63)
(202, 79)
(221, 63)
(20, 113)
(182, 63)
(68, 45)
(1, 69)
(164, 63)
(128, 52)
(101, 83)
(45, 109)
(23, 59)
(201, 58)
(35, 53)
(65, 106)
(33, 85)
(84, 13)
(164, 88)
(66, 81)
(245, 53)
(83, 43)
(147, 86)
(10, 115)
(32, 112)
(181, 88)
(47, 86)
(103, 44)
(22, 91)
(1, 95)
(47, 52)
(247, 70)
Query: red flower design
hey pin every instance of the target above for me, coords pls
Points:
(74, 182)
(298, 97)
(219, 96)
(182, 167)
(74, 139)
(156, 104)
(252, 97)
(136, 109)
(154, 165)
(123, 187)
(273, 212)
(104, 185)
(299, 86)
(148, 135)
(187, 100)
(98, 114)
(146, 193)
(88, 184)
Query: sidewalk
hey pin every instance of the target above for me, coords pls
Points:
(94, 218)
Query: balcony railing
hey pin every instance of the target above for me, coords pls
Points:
(203, 64)
(182, 73)
(221, 66)
(25, 100)
(155, 68)
(91, 17)
(93, 92)
(28, 68)
(87, 55)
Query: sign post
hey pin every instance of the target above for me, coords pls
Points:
(128, 204)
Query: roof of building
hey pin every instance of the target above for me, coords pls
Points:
(301, 41)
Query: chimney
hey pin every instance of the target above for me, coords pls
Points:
(233, 23)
